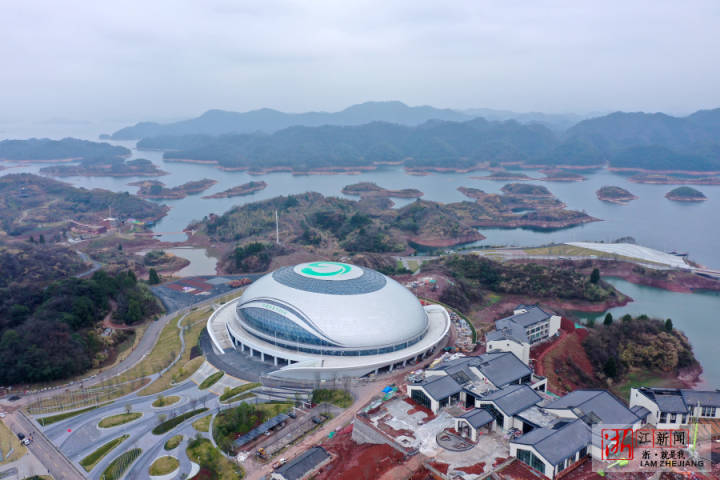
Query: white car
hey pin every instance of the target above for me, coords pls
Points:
(2, 414)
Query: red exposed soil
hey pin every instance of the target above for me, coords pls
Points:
(422, 474)
(429, 415)
(440, 466)
(204, 474)
(566, 364)
(357, 462)
(519, 471)
(476, 469)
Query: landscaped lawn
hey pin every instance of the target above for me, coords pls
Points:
(202, 452)
(45, 421)
(8, 441)
(162, 401)
(119, 419)
(164, 465)
(211, 380)
(195, 323)
(91, 460)
(173, 442)
(163, 353)
(202, 424)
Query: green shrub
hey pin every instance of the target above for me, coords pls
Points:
(339, 398)
(117, 467)
(211, 380)
(230, 393)
(91, 460)
(168, 425)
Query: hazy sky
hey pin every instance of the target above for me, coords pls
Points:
(136, 60)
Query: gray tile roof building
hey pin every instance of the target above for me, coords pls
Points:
(298, 467)
(513, 398)
(674, 400)
(596, 405)
(559, 442)
(441, 387)
(501, 368)
(478, 417)
(533, 314)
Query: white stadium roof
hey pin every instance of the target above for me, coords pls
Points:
(349, 305)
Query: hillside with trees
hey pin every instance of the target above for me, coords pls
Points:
(629, 344)
(474, 278)
(30, 202)
(51, 331)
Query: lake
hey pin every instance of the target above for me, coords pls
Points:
(696, 314)
(652, 219)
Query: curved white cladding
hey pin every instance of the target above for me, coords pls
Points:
(349, 306)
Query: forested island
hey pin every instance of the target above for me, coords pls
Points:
(369, 189)
(503, 176)
(105, 167)
(526, 189)
(685, 194)
(330, 226)
(153, 189)
(670, 179)
(558, 175)
(67, 149)
(615, 194)
(240, 190)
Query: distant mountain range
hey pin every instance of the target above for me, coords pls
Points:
(219, 122)
(638, 141)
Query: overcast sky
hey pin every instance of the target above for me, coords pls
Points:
(136, 60)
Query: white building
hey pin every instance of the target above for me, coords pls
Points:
(528, 325)
(669, 408)
(326, 320)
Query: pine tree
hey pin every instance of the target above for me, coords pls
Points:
(668, 325)
(608, 319)
(153, 277)
(595, 276)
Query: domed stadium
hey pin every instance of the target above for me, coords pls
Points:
(328, 320)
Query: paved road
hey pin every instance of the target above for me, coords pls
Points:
(56, 463)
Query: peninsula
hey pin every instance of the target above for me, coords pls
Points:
(615, 194)
(240, 190)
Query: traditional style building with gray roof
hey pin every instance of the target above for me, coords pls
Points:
(673, 407)
(528, 325)
(465, 379)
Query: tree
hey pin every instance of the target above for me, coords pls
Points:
(128, 408)
(41, 239)
(153, 277)
(120, 246)
(608, 319)
(595, 276)
(668, 325)
(610, 367)
(591, 322)
(626, 318)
